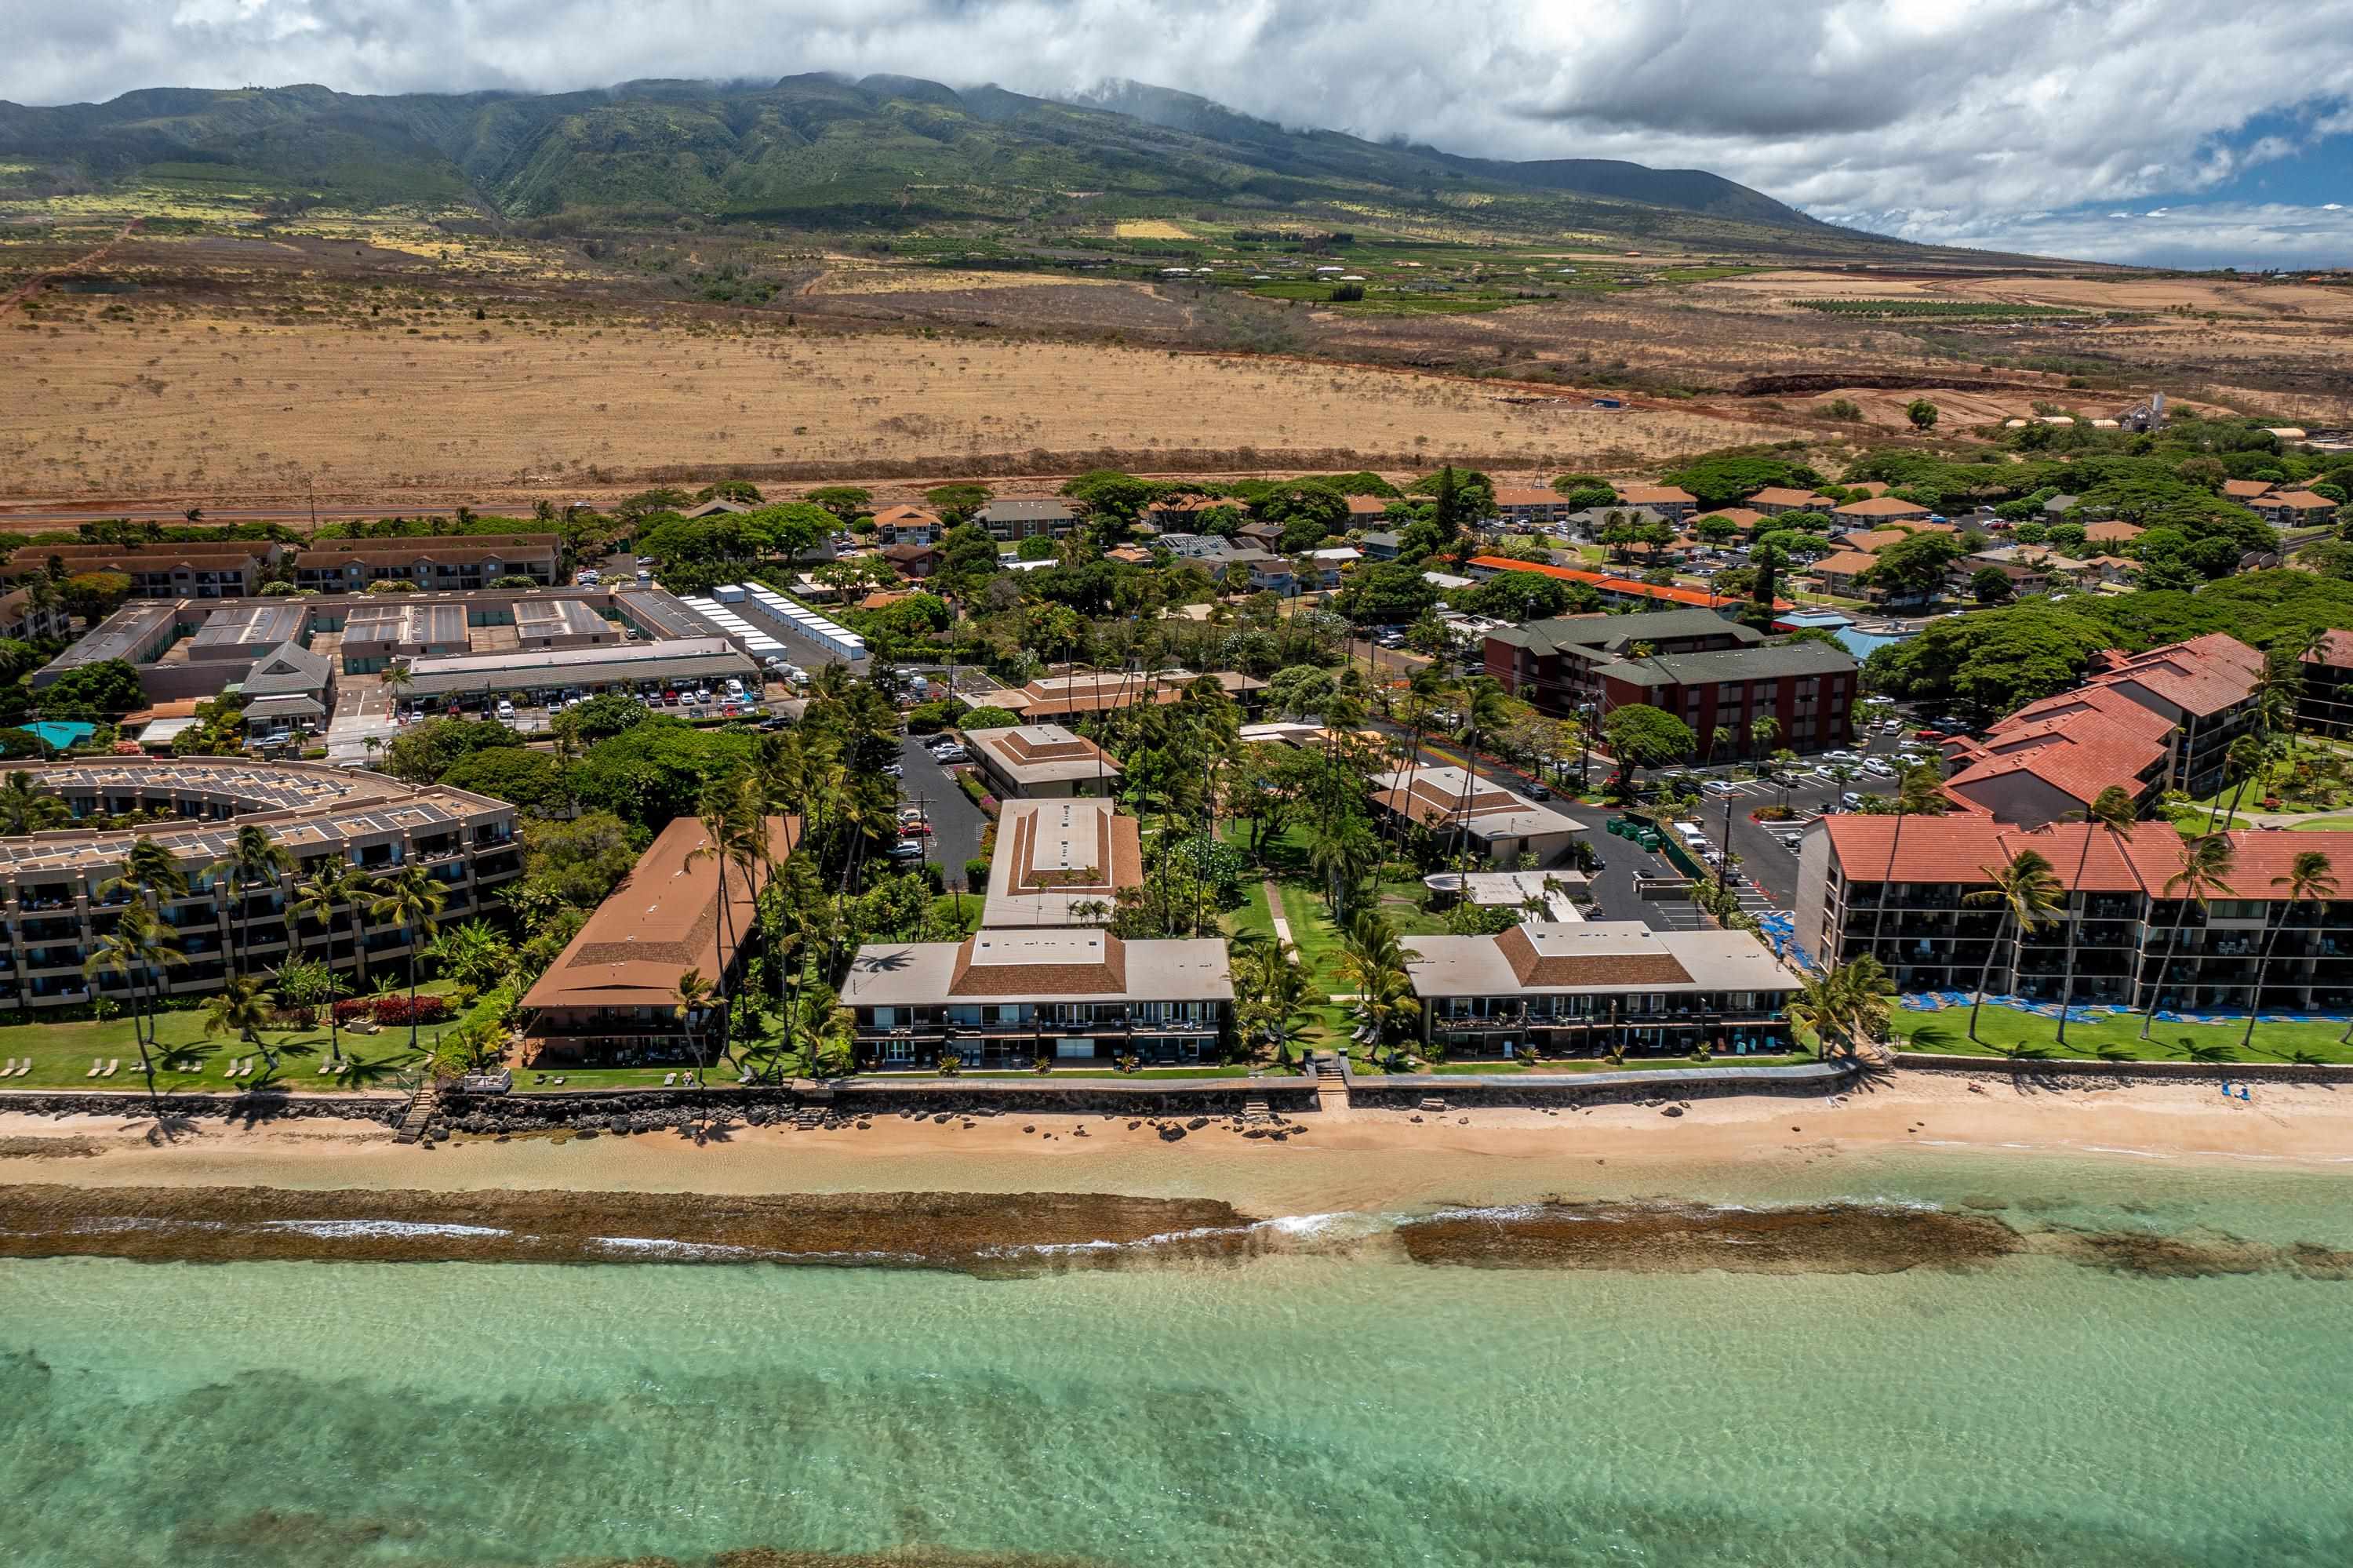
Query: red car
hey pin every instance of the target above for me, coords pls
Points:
(1927, 735)
(916, 830)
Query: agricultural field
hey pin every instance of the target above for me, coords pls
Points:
(1934, 309)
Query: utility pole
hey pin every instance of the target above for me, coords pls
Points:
(1724, 865)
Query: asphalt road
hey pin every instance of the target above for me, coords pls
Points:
(956, 823)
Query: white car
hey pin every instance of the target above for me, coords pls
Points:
(505, 711)
(1880, 768)
(1841, 757)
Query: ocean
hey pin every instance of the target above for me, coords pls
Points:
(2163, 1376)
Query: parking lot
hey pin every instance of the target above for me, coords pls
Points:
(956, 823)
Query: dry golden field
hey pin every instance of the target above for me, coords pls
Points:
(172, 404)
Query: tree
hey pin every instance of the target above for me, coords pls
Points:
(693, 997)
(1922, 413)
(2029, 896)
(1522, 596)
(139, 949)
(955, 504)
(1991, 585)
(844, 501)
(94, 596)
(239, 1010)
(1371, 964)
(25, 808)
(602, 715)
(108, 689)
(2111, 812)
(1272, 990)
(2205, 870)
(473, 956)
(1388, 593)
(1299, 690)
(412, 898)
(1640, 735)
(1913, 566)
(1848, 1002)
(532, 779)
(2309, 876)
(256, 860)
(1485, 711)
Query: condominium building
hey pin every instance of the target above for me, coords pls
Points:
(1060, 863)
(433, 562)
(1007, 998)
(2205, 687)
(1554, 663)
(1504, 830)
(2326, 701)
(1899, 889)
(2053, 757)
(1020, 518)
(1587, 988)
(1042, 761)
(55, 904)
(211, 568)
(612, 995)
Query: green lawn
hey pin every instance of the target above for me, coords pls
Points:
(958, 914)
(1224, 1070)
(61, 1055)
(1630, 1065)
(2322, 824)
(2007, 1031)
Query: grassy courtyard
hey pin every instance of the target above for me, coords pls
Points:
(61, 1055)
(2027, 1036)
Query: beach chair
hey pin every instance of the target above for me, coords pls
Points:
(95, 1064)
(113, 1065)
(10, 1070)
(669, 1080)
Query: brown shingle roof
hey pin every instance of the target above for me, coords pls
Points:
(1881, 506)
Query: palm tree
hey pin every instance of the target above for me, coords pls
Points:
(1814, 1007)
(398, 680)
(1344, 852)
(411, 897)
(693, 996)
(1273, 989)
(25, 807)
(1484, 708)
(2029, 896)
(139, 945)
(723, 809)
(2112, 812)
(2205, 871)
(255, 859)
(1919, 793)
(240, 1012)
(1372, 964)
(2245, 757)
(1848, 1002)
(333, 885)
(2309, 875)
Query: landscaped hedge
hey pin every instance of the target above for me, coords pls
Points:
(392, 1008)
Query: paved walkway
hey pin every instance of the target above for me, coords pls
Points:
(1275, 912)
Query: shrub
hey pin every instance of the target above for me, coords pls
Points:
(392, 1008)
(293, 1018)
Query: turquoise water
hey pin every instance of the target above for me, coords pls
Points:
(1329, 1408)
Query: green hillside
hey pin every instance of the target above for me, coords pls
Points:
(821, 152)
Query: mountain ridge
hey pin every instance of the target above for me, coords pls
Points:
(822, 150)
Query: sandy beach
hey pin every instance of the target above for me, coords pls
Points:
(1359, 1160)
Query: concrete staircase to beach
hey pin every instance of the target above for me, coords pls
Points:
(1331, 1088)
(1257, 1110)
(421, 1107)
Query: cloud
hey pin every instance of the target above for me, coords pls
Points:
(2250, 235)
(1951, 116)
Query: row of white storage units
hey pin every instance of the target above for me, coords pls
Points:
(804, 623)
(740, 631)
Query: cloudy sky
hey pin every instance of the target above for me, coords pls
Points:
(2186, 131)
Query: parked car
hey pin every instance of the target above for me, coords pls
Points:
(894, 771)
(918, 829)
(947, 755)
(906, 849)
(1539, 793)
(1841, 757)
(1850, 801)
(1783, 777)
(506, 711)
(1880, 768)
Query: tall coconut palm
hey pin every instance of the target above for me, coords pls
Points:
(139, 946)
(1485, 710)
(1344, 852)
(2245, 758)
(2029, 894)
(722, 808)
(1864, 989)
(412, 898)
(332, 885)
(254, 861)
(2309, 876)
(2205, 871)
(1919, 793)
(694, 995)
(2113, 814)
(398, 680)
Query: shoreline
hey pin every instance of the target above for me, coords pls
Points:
(1359, 1159)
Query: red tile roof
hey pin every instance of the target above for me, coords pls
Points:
(2245, 489)
(2078, 755)
(1527, 498)
(1846, 563)
(2113, 707)
(1608, 584)
(2202, 676)
(1656, 496)
(1881, 506)
(2301, 501)
(1778, 495)
(1958, 849)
